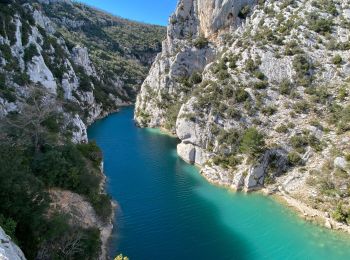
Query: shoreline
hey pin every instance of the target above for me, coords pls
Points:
(304, 211)
(106, 232)
(107, 229)
(310, 214)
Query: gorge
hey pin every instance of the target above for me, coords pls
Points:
(256, 97)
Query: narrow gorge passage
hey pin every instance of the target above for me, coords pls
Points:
(168, 211)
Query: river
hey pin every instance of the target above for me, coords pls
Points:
(168, 211)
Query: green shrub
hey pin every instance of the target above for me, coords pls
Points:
(269, 110)
(302, 67)
(258, 74)
(233, 113)
(232, 60)
(227, 91)
(301, 107)
(243, 13)
(53, 122)
(241, 95)
(319, 24)
(315, 143)
(201, 42)
(171, 116)
(285, 87)
(340, 116)
(250, 65)
(2, 81)
(299, 142)
(21, 79)
(30, 52)
(226, 161)
(337, 59)
(102, 205)
(26, 31)
(8, 225)
(92, 152)
(262, 84)
(85, 83)
(195, 78)
(252, 142)
(223, 74)
(319, 95)
(327, 6)
(6, 52)
(343, 93)
(343, 124)
(173, 21)
(8, 94)
(294, 158)
(23, 198)
(102, 97)
(340, 214)
(230, 138)
(65, 167)
(221, 65)
(292, 48)
(282, 129)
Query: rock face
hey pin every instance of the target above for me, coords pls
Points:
(342, 164)
(81, 57)
(8, 249)
(64, 68)
(232, 71)
(181, 57)
(217, 16)
(40, 73)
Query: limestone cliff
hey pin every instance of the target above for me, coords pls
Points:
(8, 249)
(258, 93)
(50, 45)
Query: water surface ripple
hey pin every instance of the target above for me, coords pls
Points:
(168, 211)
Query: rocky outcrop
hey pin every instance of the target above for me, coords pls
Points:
(6, 107)
(81, 58)
(8, 249)
(228, 67)
(342, 164)
(218, 16)
(43, 21)
(55, 1)
(40, 73)
(80, 133)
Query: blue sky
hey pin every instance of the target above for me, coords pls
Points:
(148, 11)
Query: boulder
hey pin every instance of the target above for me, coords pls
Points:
(187, 152)
(342, 164)
(8, 249)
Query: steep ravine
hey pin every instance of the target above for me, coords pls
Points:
(258, 94)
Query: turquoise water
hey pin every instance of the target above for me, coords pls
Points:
(168, 211)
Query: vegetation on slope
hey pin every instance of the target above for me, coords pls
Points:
(120, 49)
(33, 161)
